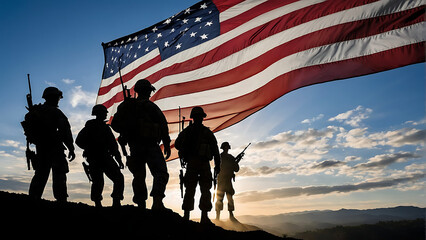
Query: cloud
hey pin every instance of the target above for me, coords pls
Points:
(310, 144)
(4, 154)
(383, 160)
(81, 97)
(352, 158)
(355, 138)
(414, 123)
(277, 193)
(328, 164)
(14, 184)
(68, 81)
(262, 171)
(311, 120)
(51, 84)
(353, 117)
(311, 138)
(361, 138)
(401, 137)
(10, 143)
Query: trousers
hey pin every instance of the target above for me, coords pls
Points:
(143, 154)
(198, 173)
(56, 162)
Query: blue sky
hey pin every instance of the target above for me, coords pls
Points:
(305, 145)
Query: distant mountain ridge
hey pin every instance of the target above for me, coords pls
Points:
(395, 230)
(291, 223)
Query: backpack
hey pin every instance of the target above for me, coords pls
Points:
(33, 124)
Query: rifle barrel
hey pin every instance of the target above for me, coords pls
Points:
(29, 82)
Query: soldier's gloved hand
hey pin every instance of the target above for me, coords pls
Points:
(167, 150)
(71, 155)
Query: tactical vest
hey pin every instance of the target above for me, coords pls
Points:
(135, 122)
(196, 143)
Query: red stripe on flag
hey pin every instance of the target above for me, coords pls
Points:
(252, 13)
(224, 5)
(339, 33)
(390, 59)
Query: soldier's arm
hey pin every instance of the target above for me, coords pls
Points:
(164, 128)
(65, 133)
(215, 151)
(113, 147)
(112, 142)
(164, 131)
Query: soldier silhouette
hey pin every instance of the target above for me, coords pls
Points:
(197, 145)
(143, 126)
(100, 146)
(228, 166)
(51, 131)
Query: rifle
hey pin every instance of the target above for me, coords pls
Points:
(29, 154)
(182, 162)
(87, 171)
(122, 142)
(214, 184)
(241, 154)
(181, 182)
(239, 157)
(126, 91)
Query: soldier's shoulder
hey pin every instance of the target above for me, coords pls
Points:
(151, 105)
(226, 155)
(127, 102)
(53, 111)
(90, 123)
(207, 130)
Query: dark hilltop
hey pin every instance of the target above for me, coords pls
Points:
(22, 217)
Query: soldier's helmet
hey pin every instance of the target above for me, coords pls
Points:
(99, 109)
(143, 85)
(197, 111)
(225, 145)
(51, 92)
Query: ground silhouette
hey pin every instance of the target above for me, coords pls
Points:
(22, 217)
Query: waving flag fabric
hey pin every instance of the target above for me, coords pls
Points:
(234, 57)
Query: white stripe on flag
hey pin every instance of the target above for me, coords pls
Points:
(315, 56)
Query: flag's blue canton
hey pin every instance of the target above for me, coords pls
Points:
(184, 30)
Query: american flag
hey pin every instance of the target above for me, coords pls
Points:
(234, 57)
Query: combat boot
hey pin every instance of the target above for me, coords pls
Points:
(142, 205)
(98, 204)
(231, 217)
(205, 220)
(158, 204)
(186, 215)
(116, 202)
